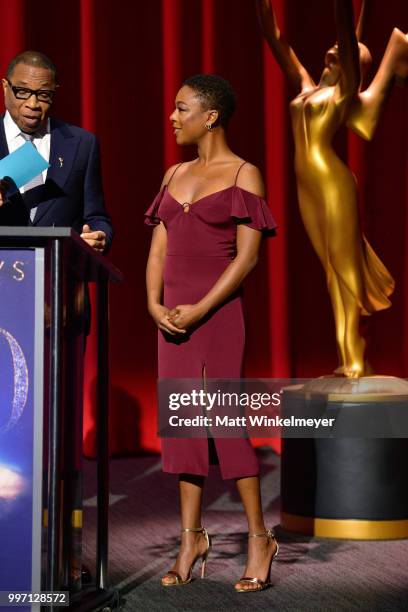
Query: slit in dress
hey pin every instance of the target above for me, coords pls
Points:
(212, 449)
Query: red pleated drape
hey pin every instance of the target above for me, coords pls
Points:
(120, 67)
(13, 36)
(88, 121)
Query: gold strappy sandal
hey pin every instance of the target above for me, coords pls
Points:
(178, 581)
(260, 584)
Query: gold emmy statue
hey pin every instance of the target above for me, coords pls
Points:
(358, 282)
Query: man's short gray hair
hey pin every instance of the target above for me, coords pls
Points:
(32, 58)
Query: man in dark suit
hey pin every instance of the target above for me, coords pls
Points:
(70, 192)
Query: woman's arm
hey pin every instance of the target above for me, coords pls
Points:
(349, 56)
(248, 242)
(154, 280)
(283, 53)
(362, 20)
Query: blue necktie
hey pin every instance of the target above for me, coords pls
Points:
(37, 180)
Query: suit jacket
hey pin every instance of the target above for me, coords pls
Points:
(72, 193)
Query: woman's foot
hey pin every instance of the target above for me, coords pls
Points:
(355, 371)
(339, 371)
(261, 551)
(194, 544)
(355, 349)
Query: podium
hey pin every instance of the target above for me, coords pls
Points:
(44, 321)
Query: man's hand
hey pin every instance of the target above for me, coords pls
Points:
(3, 188)
(97, 240)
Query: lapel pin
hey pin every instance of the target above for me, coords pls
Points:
(61, 161)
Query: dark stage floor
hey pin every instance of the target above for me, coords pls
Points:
(310, 574)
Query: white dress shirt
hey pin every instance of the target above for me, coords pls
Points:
(15, 141)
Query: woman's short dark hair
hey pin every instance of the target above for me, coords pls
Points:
(215, 93)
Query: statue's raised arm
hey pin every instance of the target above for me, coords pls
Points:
(287, 59)
(366, 109)
(348, 52)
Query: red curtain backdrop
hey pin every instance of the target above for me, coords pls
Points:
(120, 65)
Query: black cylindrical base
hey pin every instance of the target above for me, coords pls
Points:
(344, 487)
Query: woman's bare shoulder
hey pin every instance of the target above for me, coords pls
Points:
(170, 171)
(250, 179)
(168, 174)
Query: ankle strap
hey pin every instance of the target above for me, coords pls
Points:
(264, 534)
(195, 529)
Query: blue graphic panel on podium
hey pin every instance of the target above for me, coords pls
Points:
(17, 310)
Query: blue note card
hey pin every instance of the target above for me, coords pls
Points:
(23, 165)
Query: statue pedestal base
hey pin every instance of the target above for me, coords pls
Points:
(346, 486)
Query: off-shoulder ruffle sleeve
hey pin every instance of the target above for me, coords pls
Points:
(252, 210)
(152, 213)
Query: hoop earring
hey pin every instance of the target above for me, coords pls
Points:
(209, 126)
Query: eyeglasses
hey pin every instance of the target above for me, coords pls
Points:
(23, 93)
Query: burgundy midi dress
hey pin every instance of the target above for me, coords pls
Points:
(201, 243)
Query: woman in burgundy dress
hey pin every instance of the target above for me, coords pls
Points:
(209, 218)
